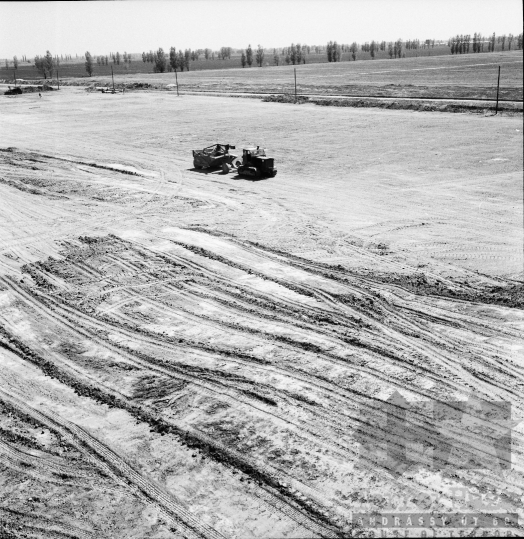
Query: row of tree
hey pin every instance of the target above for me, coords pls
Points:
(246, 57)
(16, 61)
(294, 54)
(104, 60)
(155, 57)
(394, 49)
(503, 39)
(414, 44)
(460, 44)
(194, 55)
(176, 61)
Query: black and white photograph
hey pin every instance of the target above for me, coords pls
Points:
(261, 269)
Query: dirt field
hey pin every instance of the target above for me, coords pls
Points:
(76, 66)
(193, 354)
(468, 76)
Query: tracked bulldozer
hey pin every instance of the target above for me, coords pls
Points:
(256, 164)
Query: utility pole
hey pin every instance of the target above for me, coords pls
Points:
(176, 79)
(15, 76)
(58, 79)
(498, 86)
(295, 70)
(113, 78)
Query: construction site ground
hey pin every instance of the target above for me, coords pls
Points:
(187, 353)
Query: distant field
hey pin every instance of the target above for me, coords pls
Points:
(76, 68)
(472, 76)
(466, 76)
(368, 72)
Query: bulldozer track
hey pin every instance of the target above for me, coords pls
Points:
(108, 461)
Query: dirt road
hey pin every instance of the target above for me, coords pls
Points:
(192, 354)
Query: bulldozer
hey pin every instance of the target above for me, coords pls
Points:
(256, 164)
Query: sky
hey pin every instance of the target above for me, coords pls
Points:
(29, 28)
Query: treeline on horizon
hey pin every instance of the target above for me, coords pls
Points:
(180, 60)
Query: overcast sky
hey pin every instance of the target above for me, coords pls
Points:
(134, 26)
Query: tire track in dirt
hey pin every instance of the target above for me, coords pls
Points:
(268, 471)
(393, 309)
(429, 352)
(270, 477)
(329, 304)
(159, 340)
(16, 522)
(402, 321)
(37, 464)
(109, 461)
(328, 436)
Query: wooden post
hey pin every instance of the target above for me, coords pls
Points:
(14, 72)
(113, 78)
(176, 79)
(498, 86)
(295, 70)
(58, 79)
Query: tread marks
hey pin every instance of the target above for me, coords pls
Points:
(191, 438)
(111, 463)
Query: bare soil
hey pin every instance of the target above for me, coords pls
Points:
(464, 76)
(422, 105)
(467, 76)
(192, 354)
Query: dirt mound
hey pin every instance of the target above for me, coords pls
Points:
(286, 99)
(422, 106)
(18, 90)
(13, 91)
(138, 86)
(509, 295)
(107, 84)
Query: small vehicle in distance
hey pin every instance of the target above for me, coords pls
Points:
(256, 164)
(214, 156)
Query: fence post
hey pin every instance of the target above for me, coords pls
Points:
(112, 77)
(14, 75)
(58, 79)
(295, 70)
(498, 85)
(176, 79)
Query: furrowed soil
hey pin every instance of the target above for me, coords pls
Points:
(469, 76)
(188, 353)
(466, 76)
